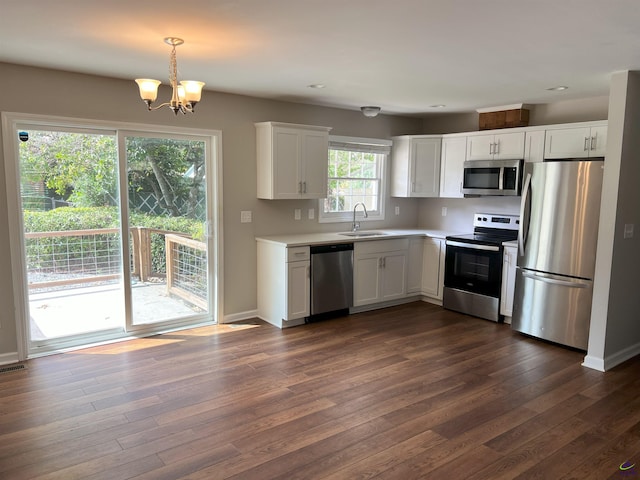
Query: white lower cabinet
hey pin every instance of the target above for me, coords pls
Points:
(379, 271)
(433, 256)
(284, 284)
(508, 281)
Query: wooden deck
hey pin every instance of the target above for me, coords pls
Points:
(410, 392)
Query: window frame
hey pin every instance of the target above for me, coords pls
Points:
(360, 144)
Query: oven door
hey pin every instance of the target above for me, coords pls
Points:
(473, 268)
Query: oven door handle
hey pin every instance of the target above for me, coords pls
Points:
(474, 246)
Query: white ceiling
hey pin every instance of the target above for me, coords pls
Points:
(402, 55)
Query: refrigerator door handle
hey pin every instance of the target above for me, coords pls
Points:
(524, 219)
(555, 281)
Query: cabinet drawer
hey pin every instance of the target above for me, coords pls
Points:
(381, 246)
(298, 253)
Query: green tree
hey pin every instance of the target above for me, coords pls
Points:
(172, 169)
(80, 167)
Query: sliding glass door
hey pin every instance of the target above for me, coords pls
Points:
(167, 218)
(111, 229)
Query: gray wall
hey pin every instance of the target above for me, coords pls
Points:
(615, 325)
(563, 111)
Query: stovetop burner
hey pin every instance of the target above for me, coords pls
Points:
(491, 229)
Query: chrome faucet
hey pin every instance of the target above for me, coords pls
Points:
(356, 225)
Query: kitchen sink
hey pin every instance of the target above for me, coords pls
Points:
(369, 233)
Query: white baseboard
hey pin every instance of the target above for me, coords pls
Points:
(593, 362)
(432, 300)
(610, 361)
(8, 358)
(238, 317)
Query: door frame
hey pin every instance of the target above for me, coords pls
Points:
(11, 122)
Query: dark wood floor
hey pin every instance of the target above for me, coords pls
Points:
(407, 392)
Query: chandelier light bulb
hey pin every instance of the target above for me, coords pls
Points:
(184, 95)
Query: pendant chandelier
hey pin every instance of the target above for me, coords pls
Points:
(184, 96)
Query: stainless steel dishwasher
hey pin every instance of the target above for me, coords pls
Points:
(331, 280)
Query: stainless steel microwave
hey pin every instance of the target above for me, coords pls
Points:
(492, 177)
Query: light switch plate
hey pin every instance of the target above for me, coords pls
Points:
(397, 210)
(628, 230)
(297, 214)
(312, 213)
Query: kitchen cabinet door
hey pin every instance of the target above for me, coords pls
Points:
(366, 279)
(415, 166)
(414, 266)
(509, 146)
(315, 164)
(534, 146)
(497, 146)
(433, 267)
(298, 290)
(454, 150)
(394, 276)
(480, 147)
(598, 141)
(508, 281)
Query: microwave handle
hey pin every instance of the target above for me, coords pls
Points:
(501, 179)
(525, 213)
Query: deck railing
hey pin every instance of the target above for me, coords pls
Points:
(77, 257)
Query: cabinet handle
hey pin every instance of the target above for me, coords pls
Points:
(304, 184)
(299, 187)
(496, 148)
(593, 143)
(491, 149)
(586, 143)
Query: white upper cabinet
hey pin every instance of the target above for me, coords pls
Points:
(576, 142)
(292, 160)
(534, 146)
(452, 166)
(502, 146)
(415, 166)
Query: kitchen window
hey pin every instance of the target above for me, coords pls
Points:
(356, 173)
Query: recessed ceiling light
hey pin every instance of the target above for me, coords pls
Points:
(558, 88)
(317, 85)
(439, 105)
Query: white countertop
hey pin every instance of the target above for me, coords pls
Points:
(295, 240)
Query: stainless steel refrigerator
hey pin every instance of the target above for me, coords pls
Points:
(557, 249)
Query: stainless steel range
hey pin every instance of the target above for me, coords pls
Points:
(473, 266)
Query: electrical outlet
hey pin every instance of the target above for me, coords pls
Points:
(312, 213)
(444, 211)
(245, 216)
(397, 210)
(297, 214)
